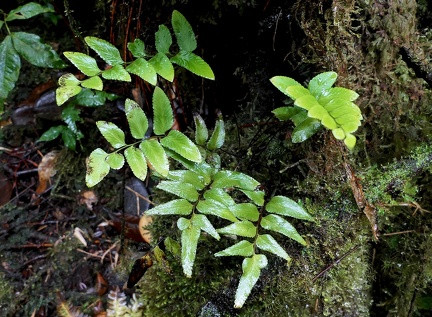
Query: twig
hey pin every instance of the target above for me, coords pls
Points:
(396, 233)
(140, 196)
(334, 263)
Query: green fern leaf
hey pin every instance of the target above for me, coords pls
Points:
(242, 248)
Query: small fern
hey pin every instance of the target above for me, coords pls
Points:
(332, 107)
(118, 306)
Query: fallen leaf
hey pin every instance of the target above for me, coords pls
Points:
(46, 170)
(88, 198)
(144, 222)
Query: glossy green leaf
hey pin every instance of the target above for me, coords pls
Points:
(64, 93)
(217, 138)
(93, 83)
(115, 160)
(227, 179)
(10, 64)
(27, 11)
(187, 177)
(163, 66)
(329, 122)
(267, 243)
(156, 156)
(108, 52)
(174, 207)
(86, 64)
(69, 138)
(137, 162)
(307, 102)
(52, 133)
(285, 113)
(350, 127)
(94, 98)
(321, 83)
(163, 40)
(70, 115)
(337, 93)
(194, 64)
(202, 222)
(350, 141)
(183, 223)
(181, 144)
(245, 211)
(97, 167)
(112, 133)
(220, 196)
(242, 248)
(317, 112)
(211, 207)
(117, 72)
(251, 271)
(143, 69)
(189, 242)
(283, 82)
(183, 32)
(278, 224)
(300, 116)
(183, 190)
(137, 120)
(240, 228)
(285, 206)
(257, 196)
(30, 47)
(68, 80)
(163, 118)
(339, 134)
(305, 130)
(201, 131)
(297, 91)
(137, 48)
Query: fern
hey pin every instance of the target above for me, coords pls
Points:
(118, 306)
(332, 107)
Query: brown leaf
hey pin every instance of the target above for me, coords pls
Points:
(101, 285)
(46, 170)
(88, 198)
(362, 203)
(138, 269)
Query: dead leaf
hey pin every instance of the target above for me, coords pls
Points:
(362, 203)
(88, 198)
(101, 285)
(144, 222)
(46, 170)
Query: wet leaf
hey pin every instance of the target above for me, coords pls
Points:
(108, 52)
(143, 69)
(163, 118)
(27, 11)
(227, 179)
(202, 222)
(201, 131)
(278, 224)
(220, 196)
(306, 101)
(137, 120)
(245, 211)
(163, 40)
(10, 64)
(181, 144)
(267, 243)
(112, 133)
(69, 138)
(97, 167)
(305, 130)
(321, 83)
(217, 138)
(115, 160)
(46, 170)
(338, 93)
(242, 248)
(156, 156)
(189, 242)
(194, 64)
(183, 190)
(64, 93)
(296, 92)
(350, 141)
(285, 113)
(211, 207)
(93, 83)
(137, 48)
(183, 223)
(173, 207)
(117, 72)
(287, 207)
(257, 196)
(240, 228)
(187, 176)
(86, 64)
(163, 66)
(137, 162)
(52, 133)
(183, 32)
(283, 82)
(251, 271)
(68, 80)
